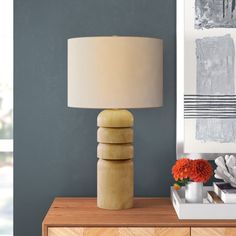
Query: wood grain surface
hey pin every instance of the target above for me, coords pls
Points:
(213, 231)
(147, 212)
(118, 231)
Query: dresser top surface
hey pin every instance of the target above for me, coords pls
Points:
(147, 212)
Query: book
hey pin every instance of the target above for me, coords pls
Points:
(225, 191)
(212, 197)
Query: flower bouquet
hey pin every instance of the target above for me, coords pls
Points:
(192, 174)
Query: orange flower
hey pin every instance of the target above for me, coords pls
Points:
(176, 186)
(182, 169)
(201, 171)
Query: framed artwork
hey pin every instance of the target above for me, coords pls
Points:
(206, 77)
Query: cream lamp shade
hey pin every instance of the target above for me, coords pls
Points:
(115, 72)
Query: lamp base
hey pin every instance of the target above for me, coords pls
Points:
(115, 184)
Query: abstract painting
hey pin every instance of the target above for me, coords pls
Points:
(208, 77)
(215, 14)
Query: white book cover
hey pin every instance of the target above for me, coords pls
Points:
(225, 191)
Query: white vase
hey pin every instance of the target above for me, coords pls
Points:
(194, 192)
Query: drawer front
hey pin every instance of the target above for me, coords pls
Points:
(129, 231)
(213, 231)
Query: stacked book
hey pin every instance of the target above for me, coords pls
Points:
(223, 193)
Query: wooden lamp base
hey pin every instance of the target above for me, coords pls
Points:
(115, 184)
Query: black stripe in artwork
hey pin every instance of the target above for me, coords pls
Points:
(209, 113)
(233, 9)
(211, 102)
(210, 99)
(208, 110)
(207, 117)
(209, 95)
(205, 114)
(222, 109)
(202, 105)
(223, 10)
(209, 106)
(210, 116)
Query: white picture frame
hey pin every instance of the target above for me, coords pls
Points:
(186, 143)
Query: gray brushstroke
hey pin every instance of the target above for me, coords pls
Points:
(217, 130)
(215, 14)
(215, 76)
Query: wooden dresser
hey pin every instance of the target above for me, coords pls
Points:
(149, 217)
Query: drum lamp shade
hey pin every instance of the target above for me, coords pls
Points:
(115, 72)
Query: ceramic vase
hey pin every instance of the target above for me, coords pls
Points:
(194, 192)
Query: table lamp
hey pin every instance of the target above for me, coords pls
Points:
(115, 73)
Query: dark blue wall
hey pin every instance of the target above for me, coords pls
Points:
(55, 146)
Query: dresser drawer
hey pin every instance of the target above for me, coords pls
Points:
(107, 231)
(213, 231)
